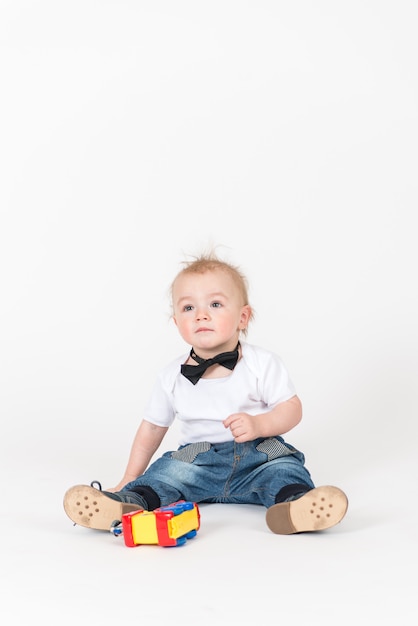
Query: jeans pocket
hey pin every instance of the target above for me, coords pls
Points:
(190, 451)
(275, 448)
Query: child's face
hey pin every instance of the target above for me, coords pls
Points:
(208, 311)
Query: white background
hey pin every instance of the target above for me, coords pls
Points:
(133, 135)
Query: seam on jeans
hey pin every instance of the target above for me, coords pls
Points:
(188, 453)
(236, 461)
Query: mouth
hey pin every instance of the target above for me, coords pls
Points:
(204, 330)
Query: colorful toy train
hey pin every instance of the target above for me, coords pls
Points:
(166, 526)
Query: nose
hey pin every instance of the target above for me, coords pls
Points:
(202, 314)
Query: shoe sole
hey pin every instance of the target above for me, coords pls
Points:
(89, 507)
(318, 509)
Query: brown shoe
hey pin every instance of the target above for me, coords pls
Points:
(95, 509)
(317, 509)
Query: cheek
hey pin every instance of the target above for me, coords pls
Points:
(183, 326)
(228, 324)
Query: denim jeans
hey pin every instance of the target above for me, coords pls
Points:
(229, 472)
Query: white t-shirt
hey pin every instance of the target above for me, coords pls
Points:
(258, 383)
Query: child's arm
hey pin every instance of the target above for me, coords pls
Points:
(146, 442)
(280, 420)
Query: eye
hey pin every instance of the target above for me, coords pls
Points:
(188, 307)
(216, 305)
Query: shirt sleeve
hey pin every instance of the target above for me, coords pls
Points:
(159, 410)
(160, 407)
(274, 382)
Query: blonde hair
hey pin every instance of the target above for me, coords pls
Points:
(209, 262)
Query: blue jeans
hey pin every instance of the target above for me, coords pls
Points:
(237, 473)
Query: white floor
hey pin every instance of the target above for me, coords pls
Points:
(234, 570)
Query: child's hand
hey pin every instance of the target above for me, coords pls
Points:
(125, 480)
(113, 489)
(242, 427)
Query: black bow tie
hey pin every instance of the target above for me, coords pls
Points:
(195, 372)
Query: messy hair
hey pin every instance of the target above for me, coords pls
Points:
(209, 262)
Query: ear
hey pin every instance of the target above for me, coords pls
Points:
(244, 317)
(174, 319)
